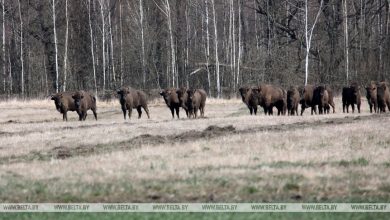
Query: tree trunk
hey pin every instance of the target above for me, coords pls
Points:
(55, 44)
(21, 49)
(92, 49)
(103, 43)
(216, 52)
(66, 45)
(141, 13)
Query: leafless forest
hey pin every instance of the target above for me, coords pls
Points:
(99, 45)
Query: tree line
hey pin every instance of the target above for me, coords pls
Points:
(49, 46)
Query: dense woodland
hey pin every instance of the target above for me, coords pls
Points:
(219, 45)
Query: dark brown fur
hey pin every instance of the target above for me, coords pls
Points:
(183, 97)
(307, 99)
(350, 97)
(271, 96)
(83, 102)
(371, 94)
(196, 101)
(249, 99)
(64, 103)
(293, 98)
(172, 101)
(321, 98)
(130, 99)
(383, 97)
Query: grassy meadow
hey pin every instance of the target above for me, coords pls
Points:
(228, 156)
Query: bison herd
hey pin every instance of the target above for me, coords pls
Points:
(265, 95)
(310, 96)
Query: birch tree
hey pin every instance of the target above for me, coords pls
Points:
(346, 40)
(3, 48)
(21, 49)
(55, 43)
(207, 46)
(309, 35)
(216, 51)
(103, 43)
(92, 49)
(141, 21)
(66, 45)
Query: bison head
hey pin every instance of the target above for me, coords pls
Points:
(123, 92)
(57, 101)
(243, 91)
(78, 96)
(371, 90)
(182, 95)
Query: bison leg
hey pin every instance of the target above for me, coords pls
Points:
(146, 110)
(358, 108)
(130, 111)
(172, 112)
(251, 110)
(333, 107)
(65, 116)
(94, 113)
(139, 112)
(124, 112)
(84, 115)
(353, 108)
(177, 111)
(196, 112)
(302, 109)
(255, 110)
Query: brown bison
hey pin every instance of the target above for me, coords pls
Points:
(183, 97)
(131, 98)
(249, 99)
(271, 96)
(64, 103)
(350, 97)
(307, 99)
(83, 102)
(196, 101)
(371, 94)
(331, 102)
(321, 98)
(383, 96)
(293, 100)
(172, 101)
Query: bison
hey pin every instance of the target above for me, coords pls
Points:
(83, 102)
(64, 103)
(331, 102)
(172, 101)
(307, 99)
(270, 96)
(350, 97)
(249, 99)
(371, 94)
(196, 101)
(131, 98)
(183, 97)
(383, 97)
(293, 97)
(321, 98)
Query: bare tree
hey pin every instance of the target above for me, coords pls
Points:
(21, 49)
(103, 43)
(309, 35)
(66, 45)
(92, 49)
(219, 92)
(3, 47)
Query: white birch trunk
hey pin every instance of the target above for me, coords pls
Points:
(207, 49)
(121, 40)
(216, 52)
(308, 36)
(346, 40)
(55, 44)
(66, 46)
(103, 44)
(141, 14)
(4, 59)
(92, 48)
(239, 43)
(173, 54)
(21, 49)
(112, 47)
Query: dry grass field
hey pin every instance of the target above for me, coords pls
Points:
(229, 156)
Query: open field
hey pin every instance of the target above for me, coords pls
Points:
(229, 156)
